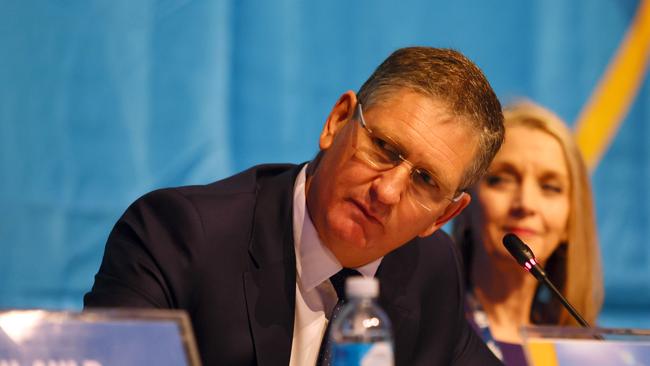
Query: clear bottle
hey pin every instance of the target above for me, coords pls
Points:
(361, 333)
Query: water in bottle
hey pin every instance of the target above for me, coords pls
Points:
(361, 333)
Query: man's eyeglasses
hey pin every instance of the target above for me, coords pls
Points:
(382, 154)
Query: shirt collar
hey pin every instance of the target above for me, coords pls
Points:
(314, 262)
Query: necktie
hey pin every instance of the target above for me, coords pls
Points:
(338, 281)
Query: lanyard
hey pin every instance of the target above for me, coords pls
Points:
(474, 313)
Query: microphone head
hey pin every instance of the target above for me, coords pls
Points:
(520, 251)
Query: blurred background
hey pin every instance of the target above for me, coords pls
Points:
(103, 101)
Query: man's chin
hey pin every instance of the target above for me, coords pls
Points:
(349, 233)
(352, 256)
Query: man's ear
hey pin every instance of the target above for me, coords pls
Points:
(452, 210)
(342, 111)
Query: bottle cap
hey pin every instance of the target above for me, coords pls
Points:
(359, 286)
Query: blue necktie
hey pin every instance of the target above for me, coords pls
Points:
(338, 281)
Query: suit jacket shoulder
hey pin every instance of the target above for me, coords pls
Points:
(209, 250)
(422, 291)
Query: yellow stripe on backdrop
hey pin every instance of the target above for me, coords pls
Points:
(608, 106)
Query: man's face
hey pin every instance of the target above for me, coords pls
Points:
(362, 213)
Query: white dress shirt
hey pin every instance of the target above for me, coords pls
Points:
(315, 295)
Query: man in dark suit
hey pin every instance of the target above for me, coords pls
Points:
(249, 257)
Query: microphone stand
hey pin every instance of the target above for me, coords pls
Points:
(525, 257)
(566, 303)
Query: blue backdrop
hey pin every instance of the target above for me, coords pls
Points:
(102, 101)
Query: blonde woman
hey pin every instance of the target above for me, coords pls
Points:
(537, 187)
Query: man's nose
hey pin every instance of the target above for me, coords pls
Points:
(391, 185)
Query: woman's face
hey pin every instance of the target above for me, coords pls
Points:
(526, 192)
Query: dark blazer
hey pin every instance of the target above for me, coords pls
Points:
(224, 252)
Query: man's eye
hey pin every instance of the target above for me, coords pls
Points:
(426, 178)
(386, 149)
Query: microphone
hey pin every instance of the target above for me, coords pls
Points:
(525, 257)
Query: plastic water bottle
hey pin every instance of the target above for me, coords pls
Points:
(361, 333)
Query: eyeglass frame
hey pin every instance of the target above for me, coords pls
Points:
(413, 169)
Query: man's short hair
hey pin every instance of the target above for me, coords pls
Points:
(447, 76)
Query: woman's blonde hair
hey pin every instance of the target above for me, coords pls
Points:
(576, 263)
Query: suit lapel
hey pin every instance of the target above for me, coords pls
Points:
(395, 272)
(270, 283)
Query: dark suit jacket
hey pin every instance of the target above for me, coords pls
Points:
(224, 252)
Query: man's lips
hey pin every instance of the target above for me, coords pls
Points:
(366, 212)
